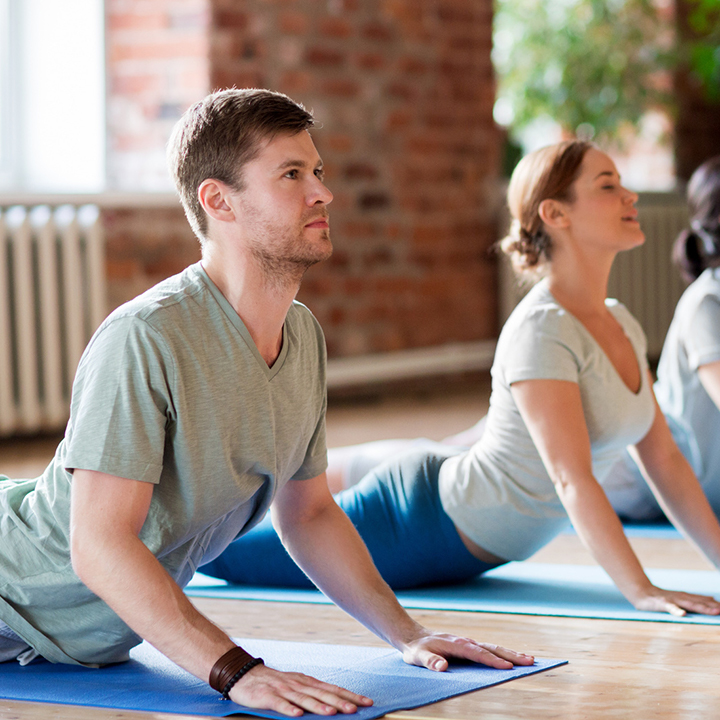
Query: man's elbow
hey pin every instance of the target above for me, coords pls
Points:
(78, 556)
(85, 551)
(289, 519)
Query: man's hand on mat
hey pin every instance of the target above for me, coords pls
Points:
(293, 693)
(432, 650)
(677, 603)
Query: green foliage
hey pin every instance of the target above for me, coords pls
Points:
(703, 52)
(594, 66)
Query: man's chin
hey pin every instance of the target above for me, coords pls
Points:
(323, 251)
(309, 259)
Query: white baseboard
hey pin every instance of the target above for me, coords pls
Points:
(410, 364)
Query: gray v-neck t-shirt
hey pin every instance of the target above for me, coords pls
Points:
(171, 390)
(693, 340)
(499, 493)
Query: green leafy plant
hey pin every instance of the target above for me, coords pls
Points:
(594, 66)
(703, 49)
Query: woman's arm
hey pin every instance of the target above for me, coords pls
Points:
(677, 489)
(552, 411)
(710, 378)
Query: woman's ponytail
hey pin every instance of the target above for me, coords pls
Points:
(698, 246)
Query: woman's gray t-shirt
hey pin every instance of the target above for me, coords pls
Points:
(499, 493)
(693, 340)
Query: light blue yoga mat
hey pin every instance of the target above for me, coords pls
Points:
(520, 588)
(658, 529)
(150, 682)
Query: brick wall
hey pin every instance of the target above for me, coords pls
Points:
(158, 64)
(404, 91)
(143, 247)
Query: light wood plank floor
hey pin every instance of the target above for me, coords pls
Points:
(617, 669)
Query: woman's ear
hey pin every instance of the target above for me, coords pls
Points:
(214, 198)
(552, 213)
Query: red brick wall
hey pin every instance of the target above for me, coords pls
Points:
(143, 247)
(404, 91)
(157, 57)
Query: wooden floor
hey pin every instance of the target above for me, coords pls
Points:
(624, 670)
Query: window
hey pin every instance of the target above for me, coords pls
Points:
(6, 160)
(52, 96)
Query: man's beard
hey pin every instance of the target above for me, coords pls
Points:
(285, 262)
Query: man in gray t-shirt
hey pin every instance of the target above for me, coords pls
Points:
(195, 407)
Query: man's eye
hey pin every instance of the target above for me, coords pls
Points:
(320, 174)
(291, 174)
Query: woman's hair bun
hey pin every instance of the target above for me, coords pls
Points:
(526, 250)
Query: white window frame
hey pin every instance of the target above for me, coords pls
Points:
(8, 142)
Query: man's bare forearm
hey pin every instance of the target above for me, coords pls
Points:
(125, 574)
(347, 574)
(327, 546)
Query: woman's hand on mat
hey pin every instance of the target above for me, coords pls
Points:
(432, 650)
(677, 603)
(293, 693)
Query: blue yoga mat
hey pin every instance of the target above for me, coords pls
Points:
(659, 529)
(655, 529)
(520, 588)
(150, 682)
(651, 529)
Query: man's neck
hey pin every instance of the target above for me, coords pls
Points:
(261, 303)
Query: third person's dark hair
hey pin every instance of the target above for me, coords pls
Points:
(698, 246)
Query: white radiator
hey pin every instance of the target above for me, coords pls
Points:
(644, 279)
(52, 298)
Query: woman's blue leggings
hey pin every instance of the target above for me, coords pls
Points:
(396, 509)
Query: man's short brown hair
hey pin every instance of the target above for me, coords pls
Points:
(216, 137)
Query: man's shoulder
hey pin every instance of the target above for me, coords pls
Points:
(178, 291)
(156, 315)
(302, 317)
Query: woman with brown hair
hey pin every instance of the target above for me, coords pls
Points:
(571, 389)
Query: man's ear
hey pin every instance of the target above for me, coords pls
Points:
(214, 197)
(552, 213)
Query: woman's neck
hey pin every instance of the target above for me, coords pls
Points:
(579, 282)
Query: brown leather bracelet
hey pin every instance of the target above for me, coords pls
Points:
(227, 666)
(240, 674)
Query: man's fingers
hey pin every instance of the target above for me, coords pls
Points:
(282, 706)
(433, 652)
(485, 654)
(308, 702)
(516, 658)
(293, 693)
(332, 697)
(334, 693)
(431, 661)
(321, 698)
